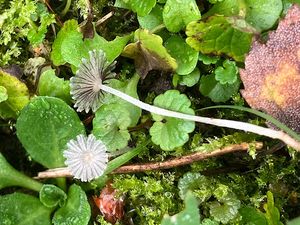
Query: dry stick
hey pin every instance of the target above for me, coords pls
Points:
(180, 161)
(248, 127)
(185, 160)
(104, 18)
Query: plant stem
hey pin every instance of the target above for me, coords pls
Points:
(248, 127)
(67, 7)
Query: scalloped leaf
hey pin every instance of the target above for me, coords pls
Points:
(185, 56)
(16, 94)
(52, 196)
(228, 73)
(77, 209)
(168, 132)
(178, 13)
(198, 184)
(217, 36)
(190, 215)
(51, 85)
(227, 205)
(110, 126)
(45, 126)
(149, 53)
(19, 208)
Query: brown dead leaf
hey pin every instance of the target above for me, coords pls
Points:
(272, 72)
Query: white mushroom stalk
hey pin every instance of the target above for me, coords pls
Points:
(87, 87)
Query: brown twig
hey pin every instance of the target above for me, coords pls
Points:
(104, 18)
(185, 160)
(180, 161)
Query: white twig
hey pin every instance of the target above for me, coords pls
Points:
(206, 120)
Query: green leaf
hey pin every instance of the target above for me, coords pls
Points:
(294, 221)
(217, 36)
(3, 94)
(168, 132)
(190, 79)
(19, 209)
(9, 176)
(51, 85)
(69, 46)
(128, 87)
(185, 56)
(190, 215)
(141, 7)
(228, 73)
(52, 196)
(76, 211)
(207, 60)
(200, 185)
(178, 13)
(112, 48)
(68, 34)
(17, 96)
(272, 213)
(149, 53)
(227, 205)
(45, 126)
(36, 34)
(215, 90)
(110, 126)
(263, 14)
(153, 19)
(252, 216)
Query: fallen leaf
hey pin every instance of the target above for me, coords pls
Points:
(272, 72)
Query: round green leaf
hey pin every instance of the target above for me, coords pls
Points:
(76, 211)
(20, 209)
(217, 92)
(263, 14)
(190, 79)
(51, 196)
(45, 126)
(227, 205)
(16, 94)
(185, 56)
(178, 13)
(169, 132)
(153, 19)
(51, 85)
(228, 73)
(142, 8)
(110, 126)
(3, 94)
(216, 35)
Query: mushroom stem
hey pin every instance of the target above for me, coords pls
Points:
(248, 127)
